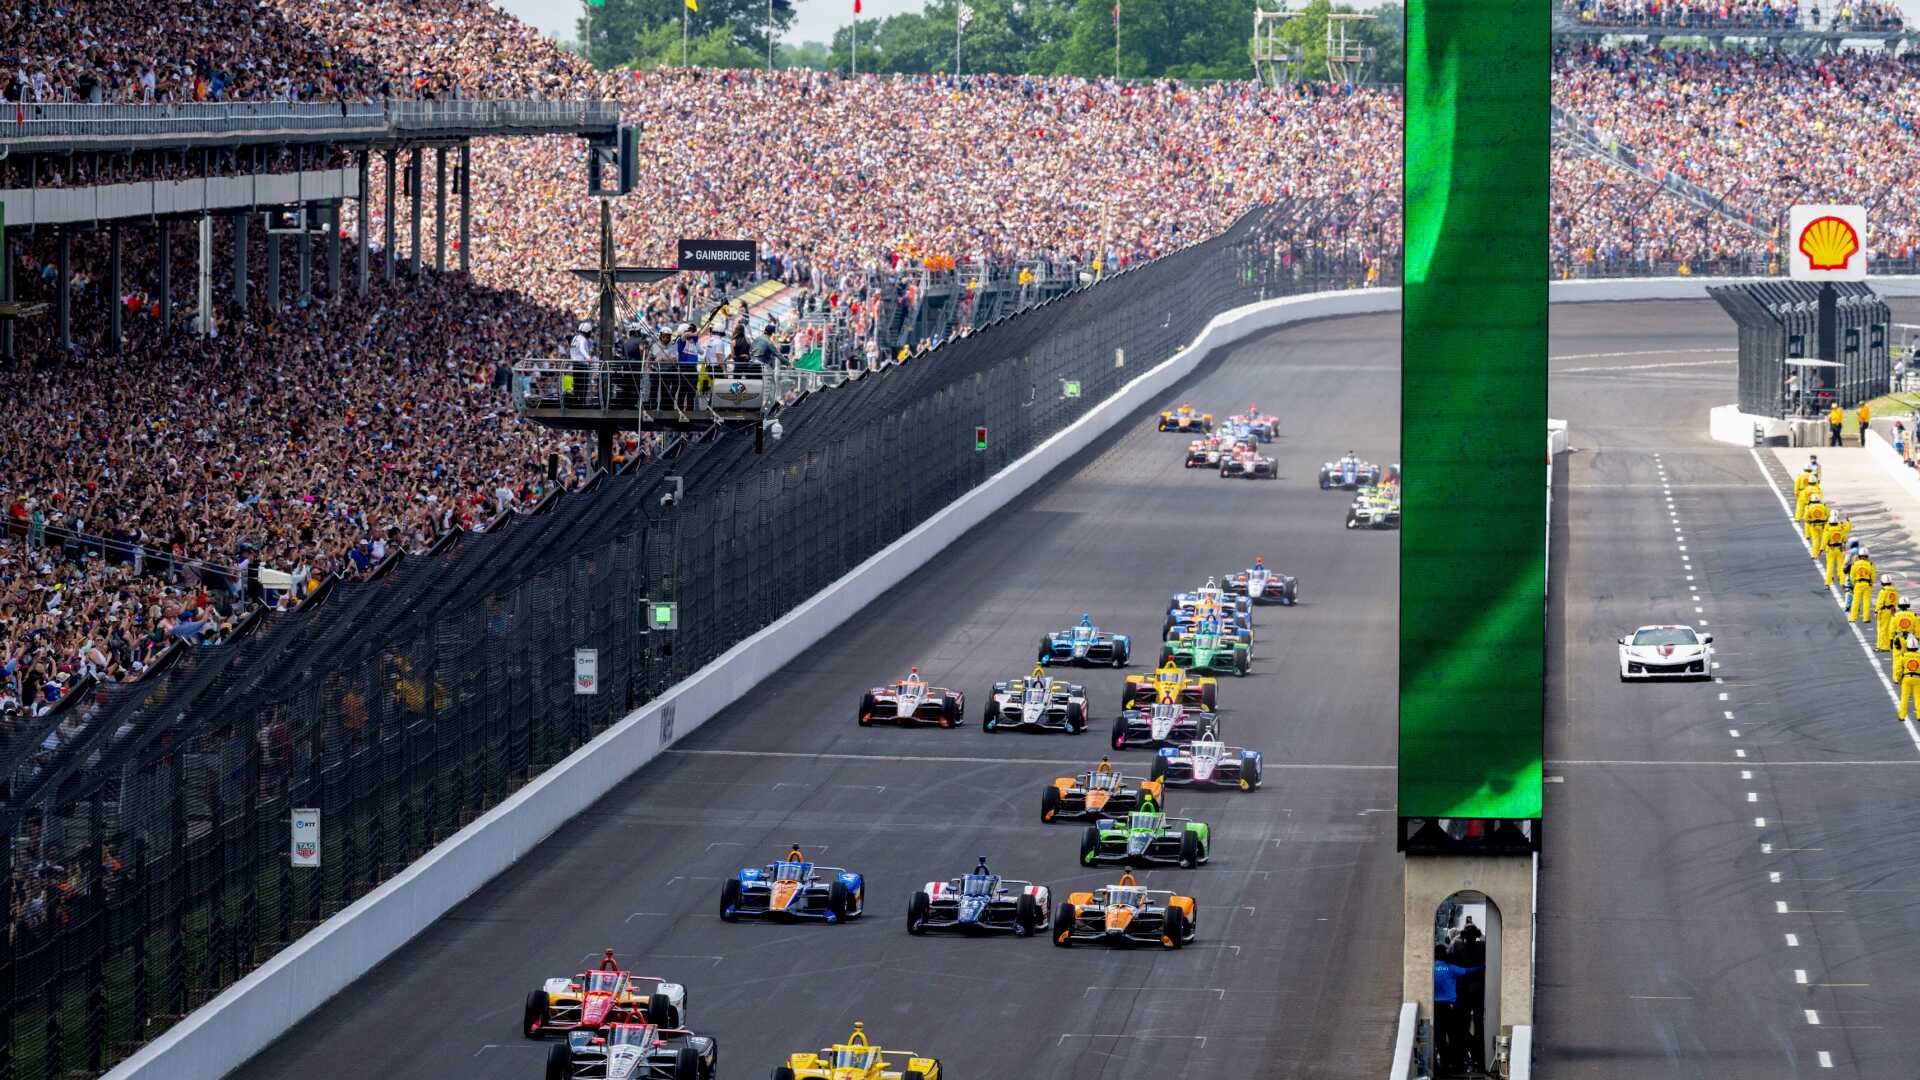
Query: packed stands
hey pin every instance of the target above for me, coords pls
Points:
(1687, 14)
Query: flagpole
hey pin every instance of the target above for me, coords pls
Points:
(956, 37)
(1116, 42)
(854, 62)
(769, 35)
(683, 35)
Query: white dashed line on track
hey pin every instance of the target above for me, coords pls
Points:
(1800, 976)
(1780, 906)
(1793, 941)
(1813, 1017)
(1826, 1060)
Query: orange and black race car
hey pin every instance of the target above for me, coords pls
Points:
(1185, 419)
(1125, 913)
(1100, 792)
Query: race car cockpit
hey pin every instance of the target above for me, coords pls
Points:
(790, 871)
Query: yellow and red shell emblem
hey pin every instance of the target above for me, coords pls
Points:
(1828, 243)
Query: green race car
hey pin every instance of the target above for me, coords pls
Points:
(1202, 647)
(1145, 837)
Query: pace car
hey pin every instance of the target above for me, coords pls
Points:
(1205, 646)
(856, 1059)
(1666, 652)
(1207, 762)
(1085, 643)
(1038, 702)
(1261, 585)
(1145, 837)
(980, 901)
(633, 1051)
(593, 999)
(1169, 685)
(1125, 912)
(1375, 507)
(1185, 419)
(912, 701)
(1349, 473)
(1204, 453)
(1099, 792)
(1246, 462)
(1146, 727)
(793, 888)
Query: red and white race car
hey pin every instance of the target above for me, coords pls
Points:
(912, 701)
(591, 1000)
(1204, 453)
(1245, 460)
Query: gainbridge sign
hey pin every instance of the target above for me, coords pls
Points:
(1827, 242)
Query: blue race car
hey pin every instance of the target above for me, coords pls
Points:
(981, 901)
(1086, 644)
(793, 888)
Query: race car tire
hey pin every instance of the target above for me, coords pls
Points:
(1045, 651)
(1350, 519)
(1157, 770)
(1026, 916)
(1210, 696)
(1189, 849)
(1250, 772)
(950, 713)
(1174, 932)
(917, 909)
(1122, 653)
(1064, 917)
(1089, 845)
(661, 1013)
(1119, 733)
(559, 1061)
(990, 723)
(867, 705)
(686, 1064)
(1323, 479)
(1076, 717)
(1050, 804)
(840, 900)
(781, 1072)
(729, 899)
(1241, 663)
(535, 1017)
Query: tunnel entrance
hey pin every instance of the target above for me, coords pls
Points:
(1466, 966)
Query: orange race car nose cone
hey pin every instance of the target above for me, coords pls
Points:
(1828, 243)
(1097, 799)
(1119, 918)
(782, 894)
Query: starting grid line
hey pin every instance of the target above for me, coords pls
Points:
(956, 760)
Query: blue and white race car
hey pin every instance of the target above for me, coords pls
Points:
(980, 901)
(1262, 585)
(1349, 473)
(794, 888)
(1086, 643)
(1186, 608)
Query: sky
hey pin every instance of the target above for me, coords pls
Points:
(816, 20)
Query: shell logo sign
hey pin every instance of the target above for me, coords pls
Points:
(1828, 243)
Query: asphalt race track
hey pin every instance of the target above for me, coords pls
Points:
(1296, 972)
(1730, 878)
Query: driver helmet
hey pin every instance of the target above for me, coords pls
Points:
(1086, 618)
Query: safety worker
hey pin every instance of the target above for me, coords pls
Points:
(1835, 419)
(1813, 492)
(1864, 416)
(1907, 674)
(1800, 483)
(1838, 529)
(1905, 621)
(1818, 513)
(1884, 606)
(1861, 576)
(1899, 653)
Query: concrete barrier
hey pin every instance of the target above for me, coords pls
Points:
(1686, 288)
(270, 1000)
(1403, 1041)
(1883, 455)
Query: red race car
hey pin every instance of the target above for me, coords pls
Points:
(912, 701)
(591, 1000)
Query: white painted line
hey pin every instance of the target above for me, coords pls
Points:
(1759, 823)
(1746, 774)
(1773, 877)
(1639, 352)
(1740, 753)
(1793, 941)
(1718, 679)
(1753, 796)
(1734, 732)
(1699, 610)
(1826, 1060)
(1723, 695)
(1813, 1017)
(1683, 547)
(1780, 906)
(1727, 713)
(1800, 976)
(1704, 622)
(1689, 577)
(1766, 849)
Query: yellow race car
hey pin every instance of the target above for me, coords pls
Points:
(1185, 419)
(1169, 686)
(857, 1059)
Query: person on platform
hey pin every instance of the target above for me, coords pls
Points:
(1836, 419)
(1450, 1019)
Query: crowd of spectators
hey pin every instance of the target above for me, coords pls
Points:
(1688, 14)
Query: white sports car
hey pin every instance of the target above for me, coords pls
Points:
(1666, 652)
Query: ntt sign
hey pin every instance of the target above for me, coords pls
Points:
(1827, 242)
(718, 255)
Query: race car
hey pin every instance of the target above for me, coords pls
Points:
(1125, 912)
(1666, 652)
(1038, 702)
(912, 701)
(856, 1059)
(593, 999)
(1205, 646)
(1085, 643)
(981, 901)
(1145, 837)
(1263, 427)
(1261, 585)
(793, 888)
(633, 1051)
(1247, 463)
(1169, 685)
(1207, 762)
(1205, 453)
(1375, 508)
(1349, 473)
(1150, 726)
(1100, 792)
(1190, 607)
(1184, 418)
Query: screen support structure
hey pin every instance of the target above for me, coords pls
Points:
(1473, 524)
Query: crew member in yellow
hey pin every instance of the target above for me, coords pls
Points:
(1899, 654)
(1837, 531)
(1861, 575)
(1812, 493)
(1817, 514)
(1907, 674)
(1865, 414)
(1800, 493)
(1905, 621)
(1835, 419)
(1884, 607)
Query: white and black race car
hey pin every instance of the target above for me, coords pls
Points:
(1262, 585)
(1666, 652)
(1036, 703)
(633, 1051)
(980, 901)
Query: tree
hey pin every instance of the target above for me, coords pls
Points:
(629, 32)
(807, 54)
(1385, 33)
(1160, 38)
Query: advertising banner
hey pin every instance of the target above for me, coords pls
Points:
(306, 837)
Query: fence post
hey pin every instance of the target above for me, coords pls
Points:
(96, 921)
(8, 963)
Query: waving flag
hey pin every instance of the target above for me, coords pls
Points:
(856, 7)
(966, 15)
(693, 5)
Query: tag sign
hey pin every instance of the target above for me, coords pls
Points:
(1071, 387)
(306, 837)
(979, 438)
(1827, 242)
(586, 671)
(735, 255)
